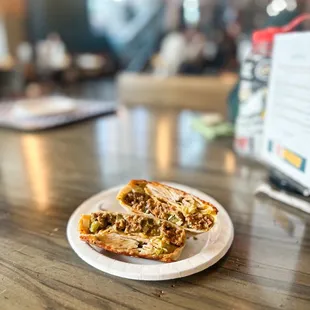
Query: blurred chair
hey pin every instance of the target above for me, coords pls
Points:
(205, 93)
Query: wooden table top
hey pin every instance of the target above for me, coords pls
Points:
(45, 176)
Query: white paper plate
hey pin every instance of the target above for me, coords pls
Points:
(199, 253)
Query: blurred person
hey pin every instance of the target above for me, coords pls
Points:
(185, 52)
(227, 56)
(34, 90)
(52, 58)
(24, 53)
(196, 41)
(179, 52)
(57, 55)
(42, 62)
(244, 46)
(194, 52)
(171, 54)
(210, 50)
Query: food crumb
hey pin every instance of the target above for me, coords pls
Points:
(158, 293)
(56, 229)
(195, 238)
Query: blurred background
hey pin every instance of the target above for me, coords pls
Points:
(79, 47)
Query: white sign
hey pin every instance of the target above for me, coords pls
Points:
(286, 143)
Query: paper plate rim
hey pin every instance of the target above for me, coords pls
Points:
(166, 271)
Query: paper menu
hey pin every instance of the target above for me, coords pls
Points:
(286, 141)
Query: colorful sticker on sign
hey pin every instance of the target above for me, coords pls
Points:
(288, 156)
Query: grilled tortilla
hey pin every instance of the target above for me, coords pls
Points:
(136, 235)
(168, 203)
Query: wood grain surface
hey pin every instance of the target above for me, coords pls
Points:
(45, 176)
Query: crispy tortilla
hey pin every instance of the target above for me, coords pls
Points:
(133, 235)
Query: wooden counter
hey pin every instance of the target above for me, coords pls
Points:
(45, 176)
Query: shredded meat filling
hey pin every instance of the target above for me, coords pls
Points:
(137, 200)
(138, 224)
(144, 203)
(199, 221)
(173, 234)
(129, 224)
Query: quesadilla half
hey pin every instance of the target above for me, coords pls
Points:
(168, 203)
(136, 235)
